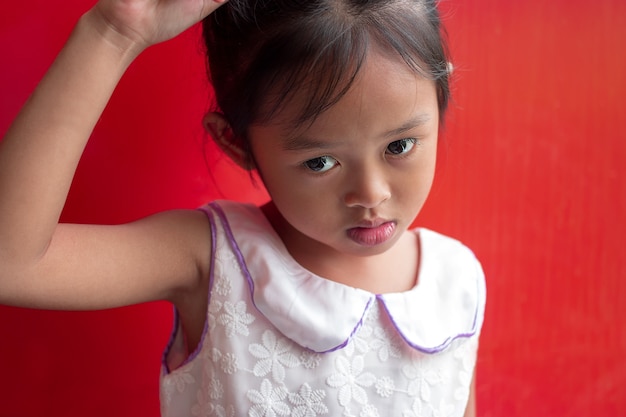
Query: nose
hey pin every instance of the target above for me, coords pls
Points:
(367, 188)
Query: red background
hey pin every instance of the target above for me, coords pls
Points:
(531, 177)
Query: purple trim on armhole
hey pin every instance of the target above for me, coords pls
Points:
(176, 323)
(233, 244)
(170, 342)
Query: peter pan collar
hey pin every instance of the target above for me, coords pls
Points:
(322, 315)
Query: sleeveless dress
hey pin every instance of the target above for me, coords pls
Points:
(282, 341)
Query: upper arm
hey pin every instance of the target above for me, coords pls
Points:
(97, 267)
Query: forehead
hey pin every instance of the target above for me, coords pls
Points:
(385, 95)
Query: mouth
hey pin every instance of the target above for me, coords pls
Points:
(372, 233)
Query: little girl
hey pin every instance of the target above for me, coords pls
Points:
(321, 302)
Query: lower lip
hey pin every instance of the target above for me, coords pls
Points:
(372, 236)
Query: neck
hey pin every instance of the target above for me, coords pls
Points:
(394, 270)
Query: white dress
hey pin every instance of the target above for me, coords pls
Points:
(282, 341)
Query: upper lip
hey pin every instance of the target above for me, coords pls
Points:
(371, 223)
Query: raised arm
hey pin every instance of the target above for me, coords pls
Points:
(42, 263)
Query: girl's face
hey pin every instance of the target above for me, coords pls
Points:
(351, 183)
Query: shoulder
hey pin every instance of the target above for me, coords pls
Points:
(454, 263)
(442, 243)
(232, 211)
(238, 221)
(447, 253)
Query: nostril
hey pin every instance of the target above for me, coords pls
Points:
(368, 196)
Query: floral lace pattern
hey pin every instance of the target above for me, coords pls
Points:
(246, 367)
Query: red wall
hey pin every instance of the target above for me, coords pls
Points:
(535, 183)
(531, 177)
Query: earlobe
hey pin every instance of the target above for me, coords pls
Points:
(218, 127)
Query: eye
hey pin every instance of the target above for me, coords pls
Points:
(402, 146)
(321, 163)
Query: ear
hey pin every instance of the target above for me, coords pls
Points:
(218, 127)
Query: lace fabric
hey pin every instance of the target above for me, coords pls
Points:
(280, 340)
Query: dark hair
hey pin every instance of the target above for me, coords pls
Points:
(262, 52)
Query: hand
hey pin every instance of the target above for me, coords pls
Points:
(146, 22)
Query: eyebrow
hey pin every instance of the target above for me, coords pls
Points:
(416, 121)
(304, 143)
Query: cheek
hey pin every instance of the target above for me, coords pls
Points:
(268, 169)
(416, 184)
(429, 162)
(281, 185)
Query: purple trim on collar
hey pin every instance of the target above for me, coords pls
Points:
(176, 323)
(242, 263)
(428, 350)
(413, 339)
(356, 328)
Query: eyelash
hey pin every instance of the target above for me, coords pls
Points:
(314, 164)
(407, 145)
